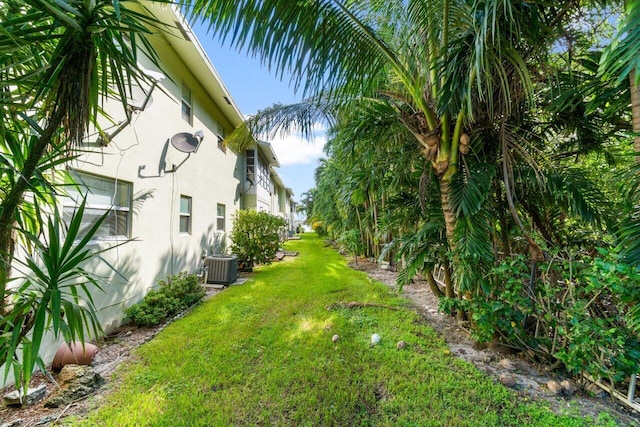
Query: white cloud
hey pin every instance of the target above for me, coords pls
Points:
(295, 150)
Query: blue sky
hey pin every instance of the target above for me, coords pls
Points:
(254, 88)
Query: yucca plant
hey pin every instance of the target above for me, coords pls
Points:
(54, 296)
(58, 61)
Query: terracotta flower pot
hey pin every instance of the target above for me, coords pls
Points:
(74, 354)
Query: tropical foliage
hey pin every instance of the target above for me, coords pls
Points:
(173, 296)
(477, 143)
(58, 61)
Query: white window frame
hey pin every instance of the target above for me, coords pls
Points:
(186, 106)
(222, 217)
(188, 215)
(263, 175)
(250, 158)
(83, 189)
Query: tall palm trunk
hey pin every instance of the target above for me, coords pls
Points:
(449, 216)
(13, 199)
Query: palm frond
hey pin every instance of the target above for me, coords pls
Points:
(571, 188)
(470, 188)
(622, 56)
(474, 250)
(323, 45)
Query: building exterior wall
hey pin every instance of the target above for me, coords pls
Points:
(258, 186)
(141, 156)
(159, 174)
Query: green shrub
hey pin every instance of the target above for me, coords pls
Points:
(184, 289)
(256, 237)
(581, 312)
(351, 242)
(175, 295)
(153, 309)
(318, 227)
(599, 322)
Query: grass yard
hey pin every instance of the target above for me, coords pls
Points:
(262, 354)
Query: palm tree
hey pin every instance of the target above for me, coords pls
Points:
(448, 69)
(622, 61)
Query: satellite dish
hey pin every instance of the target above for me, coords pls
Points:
(138, 99)
(185, 142)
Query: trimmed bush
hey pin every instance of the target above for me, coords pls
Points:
(256, 237)
(175, 295)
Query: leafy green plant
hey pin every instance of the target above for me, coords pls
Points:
(581, 312)
(175, 295)
(318, 227)
(500, 315)
(55, 295)
(351, 241)
(256, 237)
(602, 320)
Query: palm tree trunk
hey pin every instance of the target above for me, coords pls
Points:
(431, 281)
(448, 280)
(450, 224)
(449, 216)
(13, 199)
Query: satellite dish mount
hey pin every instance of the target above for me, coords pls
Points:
(136, 102)
(186, 142)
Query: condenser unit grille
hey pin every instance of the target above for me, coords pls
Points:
(221, 269)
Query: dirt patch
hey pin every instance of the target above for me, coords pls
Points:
(530, 381)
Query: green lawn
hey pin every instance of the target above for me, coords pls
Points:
(261, 354)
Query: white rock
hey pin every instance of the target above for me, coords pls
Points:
(507, 364)
(375, 339)
(33, 395)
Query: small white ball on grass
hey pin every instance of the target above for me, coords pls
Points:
(375, 339)
(335, 338)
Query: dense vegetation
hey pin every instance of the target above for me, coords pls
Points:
(487, 143)
(262, 353)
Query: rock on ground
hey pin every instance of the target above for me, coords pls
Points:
(76, 382)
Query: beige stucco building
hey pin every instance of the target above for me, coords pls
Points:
(262, 187)
(165, 175)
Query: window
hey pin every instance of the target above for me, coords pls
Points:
(251, 166)
(263, 176)
(221, 217)
(221, 145)
(187, 110)
(185, 214)
(103, 195)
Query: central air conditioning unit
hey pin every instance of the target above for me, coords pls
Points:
(221, 269)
